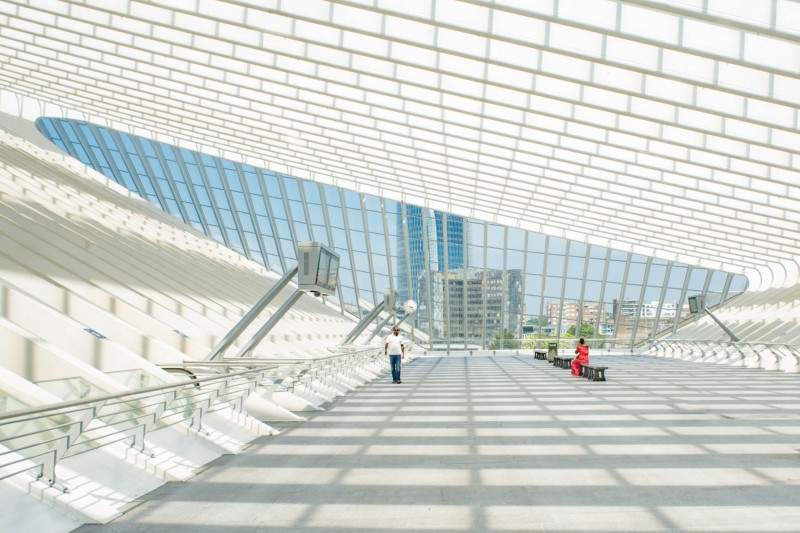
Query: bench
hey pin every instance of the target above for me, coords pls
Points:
(563, 362)
(594, 373)
(540, 354)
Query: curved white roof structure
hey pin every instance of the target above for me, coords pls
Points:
(665, 128)
(529, 172)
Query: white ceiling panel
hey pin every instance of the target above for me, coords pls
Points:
(682, 106)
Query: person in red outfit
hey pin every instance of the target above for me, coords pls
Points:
(583, 357)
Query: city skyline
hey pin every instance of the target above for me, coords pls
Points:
(264, 214)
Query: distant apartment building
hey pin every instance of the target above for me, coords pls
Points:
(631, 308)
(648, 319)
(568, 312)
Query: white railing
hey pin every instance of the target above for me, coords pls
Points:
(289, 372)
(756, 354)
(36, 439)
(527, 344)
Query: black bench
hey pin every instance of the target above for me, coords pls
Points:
(563, 362)
(594, 373)
(540, 354)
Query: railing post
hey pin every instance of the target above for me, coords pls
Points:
(48, 467)
(197, 419)
(138, 437)
(251, 315)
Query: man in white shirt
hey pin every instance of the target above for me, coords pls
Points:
(395, 348)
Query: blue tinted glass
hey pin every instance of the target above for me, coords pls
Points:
(357, 240)
(259, 207)
(75, 143)
(575, 267)
(292, 188)
(372, 203)
(273, 187)
(277, 208)
(657, 274)
(297, 212)
(636, 273)
(335, 217)
(232, 176)
(375, 222)
(535, 263)
(616, 271)
(514, 259)
(202, 188)
(677, 276)
(555, 265)
(536, 242)
(352, 199)
(239, 201)
(717, 281)
(557, 245)
(595, 269)
(592, 291)
(315, 214)
(311, 191)
(320, 234)
(355, 219)
(332, 195)
(697, 279)
(301, 232)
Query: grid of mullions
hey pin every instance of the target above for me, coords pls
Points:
(623, 298)
(670, 120)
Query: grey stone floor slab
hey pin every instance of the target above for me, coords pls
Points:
(512, 444)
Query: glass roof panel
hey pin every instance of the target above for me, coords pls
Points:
(787, 18)
(742, 78)
(649, 23)
(701, 90)
(569, 38)
(462, 42)
(354, 17)
(529, 30)
(603, 13)
(632, 53)
(711, 37)
(473, 17)
(461, 65)
(750, 11)
(689, 66)
(767, 51)
(409, 30)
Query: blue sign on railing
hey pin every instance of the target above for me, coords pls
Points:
(97, 334)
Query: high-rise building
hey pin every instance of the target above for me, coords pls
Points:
(438, 227)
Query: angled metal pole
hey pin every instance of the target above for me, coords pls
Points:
(404, 319)
(733, 337)
(269, 324)
(251, 315)
(386, 322)
(379, 328)
(361, 326)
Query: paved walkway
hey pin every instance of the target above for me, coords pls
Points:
(513, 444)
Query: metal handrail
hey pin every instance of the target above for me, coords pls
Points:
(144, 408)
(726, 342)
(81, 413)
(780, 350)
(96, 399)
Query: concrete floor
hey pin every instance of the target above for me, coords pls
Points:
(513, 444)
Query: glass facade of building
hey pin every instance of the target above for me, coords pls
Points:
(477, 284)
